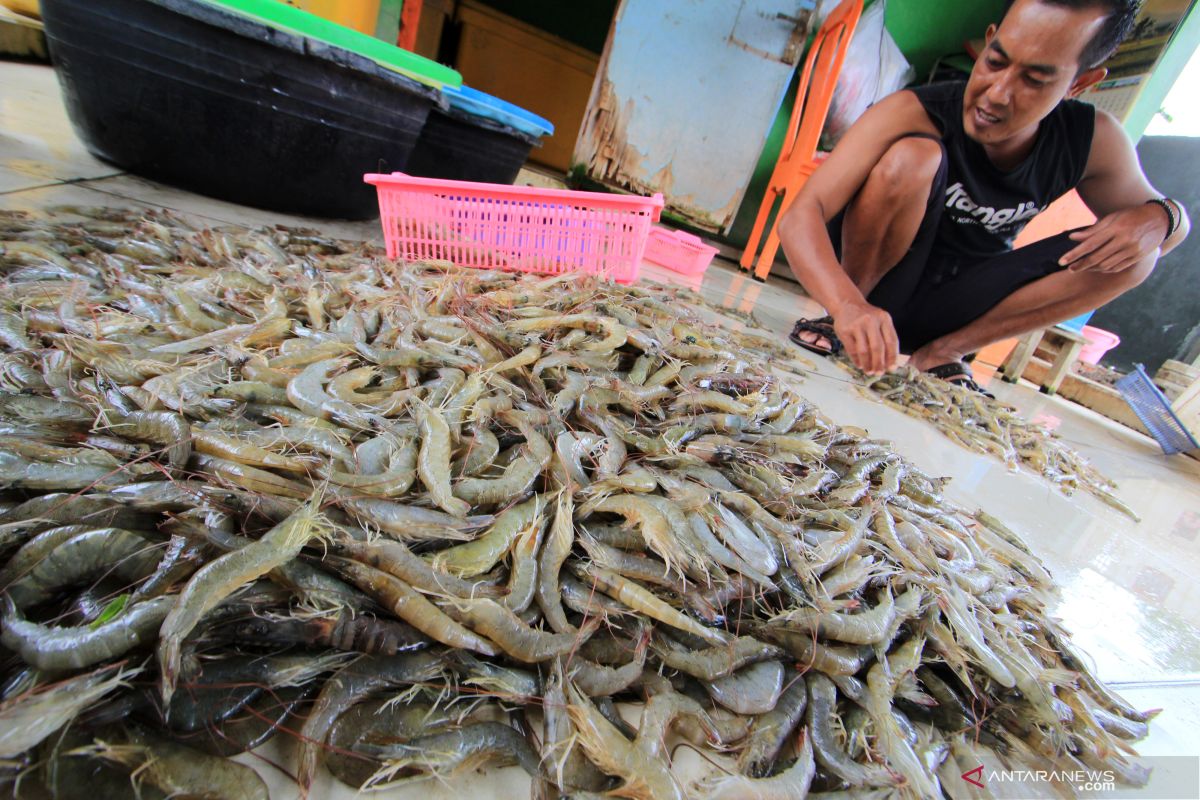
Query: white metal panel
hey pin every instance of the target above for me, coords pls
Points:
(685, 96)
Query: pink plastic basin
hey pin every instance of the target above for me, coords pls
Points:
(679, 251)
(1100, 342)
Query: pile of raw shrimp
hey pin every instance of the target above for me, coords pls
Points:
(412, 521)
(984, 425)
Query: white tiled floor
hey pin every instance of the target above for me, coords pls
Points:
(38, 147)
(1131, 592)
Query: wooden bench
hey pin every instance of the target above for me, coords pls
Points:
(1068, 344)
(1175, 377)
(1187, 408)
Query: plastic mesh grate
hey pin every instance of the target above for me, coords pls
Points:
(1155, 412)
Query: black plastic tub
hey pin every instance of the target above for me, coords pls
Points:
(207, 100)
(463, 147)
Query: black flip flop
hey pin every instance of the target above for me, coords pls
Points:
(959, 374)
(822, 327)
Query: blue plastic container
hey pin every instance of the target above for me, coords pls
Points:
(1077, 323)
(476, 137)
(483, 105)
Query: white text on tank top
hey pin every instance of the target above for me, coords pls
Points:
(995, 220)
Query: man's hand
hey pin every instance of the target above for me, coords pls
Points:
(1118, 241)
(868, 335)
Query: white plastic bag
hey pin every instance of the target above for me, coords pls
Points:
(873, 69)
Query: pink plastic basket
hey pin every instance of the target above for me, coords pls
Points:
(522, 228)
(678, 251)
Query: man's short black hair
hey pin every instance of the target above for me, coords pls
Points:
(1119, 21)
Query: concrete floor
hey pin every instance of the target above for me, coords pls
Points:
(1131, 592)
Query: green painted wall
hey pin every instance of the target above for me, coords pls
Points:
(924, 30)
(387, 25)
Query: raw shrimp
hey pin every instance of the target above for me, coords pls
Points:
(30, 717)
(713, 663)
(791, 783)
(392, 482)
(411, 606)
(882, 680)
(730, 535)
(477, 557)
(218, 579)
(35, 549)
(352, 683)
(510, 684)
(396, 559)
(443, 753)
(562, 757)
(631, 565)
(643, 776)
(555, 550)
(433, 463)
(753, 690)
(523, 566)
(586, 600)
(180, 771)
(54, 648)
(865, 628)
(409, 522)
(127, 555)
(822, 700)
(514, 637)
(654, 527)
(38, 475)
(346, 631)
(645, 602)
(232, 449)
(307, 393)
(251, 478)
(518, 476)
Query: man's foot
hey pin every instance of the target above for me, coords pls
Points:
(959, 374)
(816, 336)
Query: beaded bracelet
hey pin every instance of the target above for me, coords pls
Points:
(1172, 220)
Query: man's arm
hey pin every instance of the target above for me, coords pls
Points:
(1128, 228)
(866, 331)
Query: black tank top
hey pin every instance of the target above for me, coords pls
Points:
(985, 207)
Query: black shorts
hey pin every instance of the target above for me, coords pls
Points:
(930, 294)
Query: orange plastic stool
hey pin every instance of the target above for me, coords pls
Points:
(797, 160)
